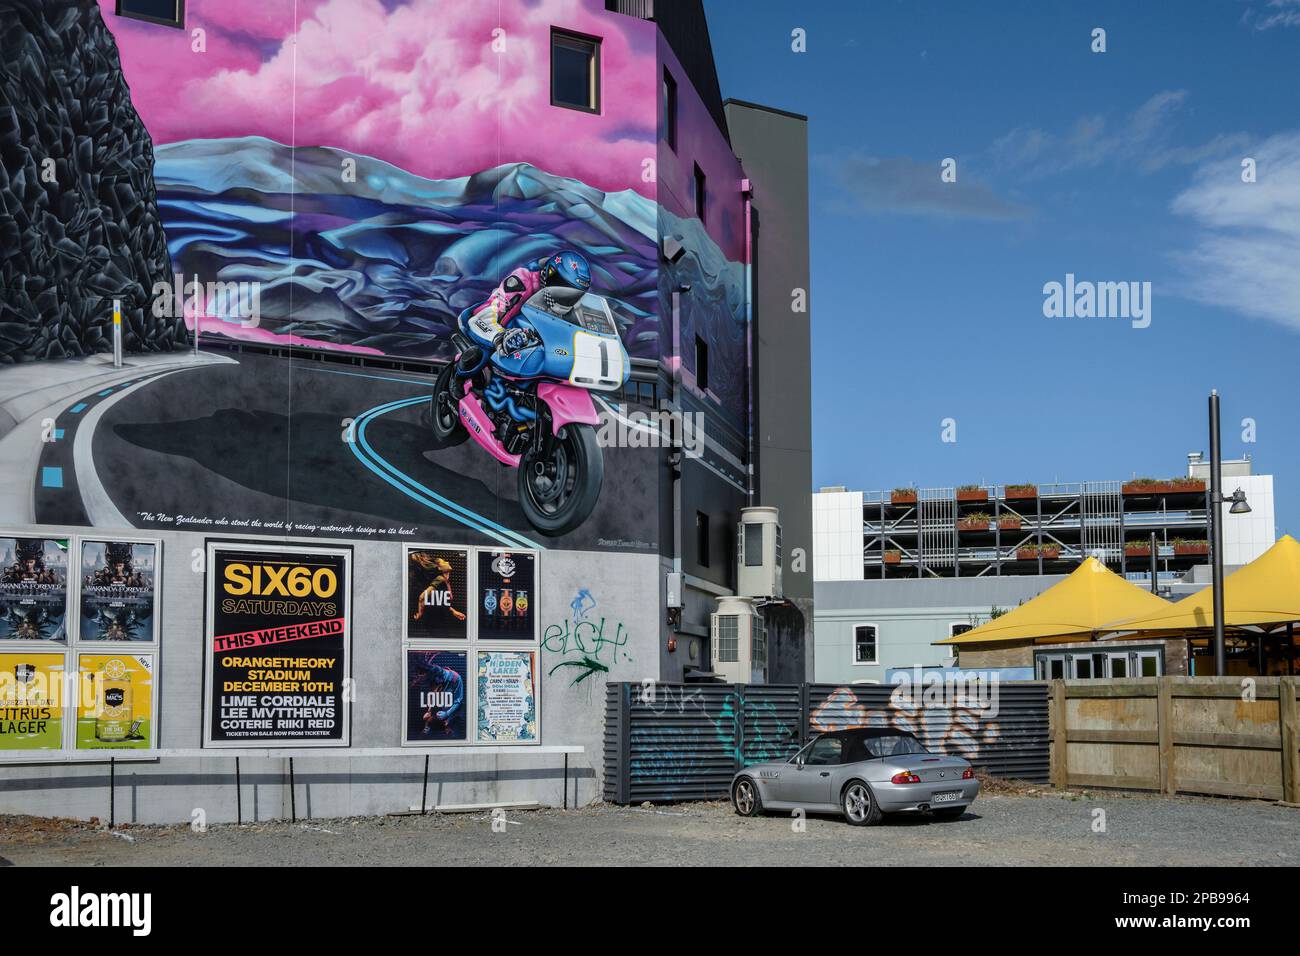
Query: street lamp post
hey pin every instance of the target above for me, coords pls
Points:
(1216, 536)
(1216, 500)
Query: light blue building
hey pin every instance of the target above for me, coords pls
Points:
(865, 629)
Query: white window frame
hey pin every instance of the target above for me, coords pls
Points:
(853, 645)
(966, 624)
(473, 646)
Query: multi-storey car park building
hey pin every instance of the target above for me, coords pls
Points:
(1036, 529)
(898, 570)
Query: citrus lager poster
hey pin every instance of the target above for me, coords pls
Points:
(115, 702)
(31, 701)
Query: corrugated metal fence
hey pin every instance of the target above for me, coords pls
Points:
(666, 742)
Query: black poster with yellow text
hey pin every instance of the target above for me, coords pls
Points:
(277, 645)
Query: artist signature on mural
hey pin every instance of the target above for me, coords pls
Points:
(588, 644)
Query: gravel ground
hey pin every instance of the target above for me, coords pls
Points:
(1038, 828)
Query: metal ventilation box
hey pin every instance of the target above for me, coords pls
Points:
(758, 558)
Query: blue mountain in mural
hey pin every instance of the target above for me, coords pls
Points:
(385, 259)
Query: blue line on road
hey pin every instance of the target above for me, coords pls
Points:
(413, 489)
(51, 477)
(77, 409)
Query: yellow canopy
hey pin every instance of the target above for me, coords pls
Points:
(1078, 607)
(1266, 591)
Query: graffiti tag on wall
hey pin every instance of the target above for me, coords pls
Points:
(587, 645)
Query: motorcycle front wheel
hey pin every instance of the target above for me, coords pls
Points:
(443, 411)
(559, 493)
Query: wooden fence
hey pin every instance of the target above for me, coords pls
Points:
(1220, 736)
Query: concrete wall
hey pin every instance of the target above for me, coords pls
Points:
(625, 588)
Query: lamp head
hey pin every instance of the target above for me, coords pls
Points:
(1239, 505)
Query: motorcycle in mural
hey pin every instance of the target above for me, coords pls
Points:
(531, 407)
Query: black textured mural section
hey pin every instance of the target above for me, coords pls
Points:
(79, 224)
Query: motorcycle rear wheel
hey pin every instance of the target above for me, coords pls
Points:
(557, 495)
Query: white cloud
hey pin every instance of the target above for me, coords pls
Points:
(1275, 13)
(1246, 254)
(1142, 139)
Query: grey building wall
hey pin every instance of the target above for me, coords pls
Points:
(773, 147)
(909, 616)
(625, 587)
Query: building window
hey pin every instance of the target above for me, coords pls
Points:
(670, 110)
(864, 644)
(701, 364)
(700, 192)
(702, 539)
(167, 12)
(575, 71)
(961, 628)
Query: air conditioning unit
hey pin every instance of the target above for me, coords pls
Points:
(739, 642)
(758, 553)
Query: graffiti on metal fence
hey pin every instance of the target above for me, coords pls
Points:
(963, 728)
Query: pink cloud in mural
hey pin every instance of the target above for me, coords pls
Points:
(418, 84)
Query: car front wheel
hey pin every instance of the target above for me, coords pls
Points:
(745, 798)
(859, 805)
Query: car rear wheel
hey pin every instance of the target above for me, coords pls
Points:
(859, 805)
(745, 798)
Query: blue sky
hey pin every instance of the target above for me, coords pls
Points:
(927, 297)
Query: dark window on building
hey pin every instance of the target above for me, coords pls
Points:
(701, 363)
(864, 644)
(700, 185)
(167, 12)
(575, 71)
(670, 110)
(753, 545)
(702, 539)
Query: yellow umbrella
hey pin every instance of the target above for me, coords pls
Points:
(1080, 606)
(1266, 591)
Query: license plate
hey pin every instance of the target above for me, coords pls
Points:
(947, 796)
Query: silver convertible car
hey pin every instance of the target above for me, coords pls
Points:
(862, 773)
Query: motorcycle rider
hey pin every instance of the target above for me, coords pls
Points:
(489, 324)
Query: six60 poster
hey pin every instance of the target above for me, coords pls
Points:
(31, 701)
(119, 590)
(507, 595)
(115, 701)
(33, 589)
(507, 696)
(278, 639)
(437, 696)
(437, 593)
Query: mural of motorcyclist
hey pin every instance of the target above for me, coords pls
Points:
(527, 359)
(489, 323)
